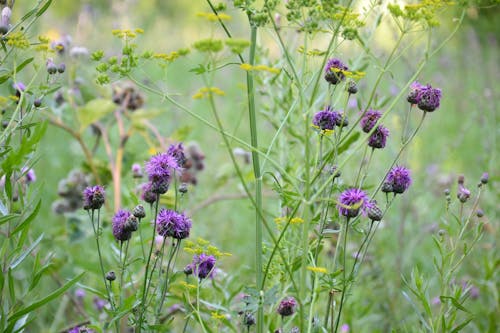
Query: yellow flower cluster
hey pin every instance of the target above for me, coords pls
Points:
(169, 57)
(284, 219)
(44, 44)
(203, 246)
(326, 132)
(217, 316)
(314, 269)
(212, 17)
(126, 33)
(187, 285)
(205, 91)
(248, 67)
(312, 53)
(355, 75)
(18, 39)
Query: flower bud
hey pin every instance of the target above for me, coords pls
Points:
(139, 211)
(352, 88)
(61, 68)
(110, 276)
(484, 178)
(51, 67)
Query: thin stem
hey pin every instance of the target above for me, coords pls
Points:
(344, 282)
(144, 291)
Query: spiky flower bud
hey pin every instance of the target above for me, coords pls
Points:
(139, 212)
(374, 212)
(352, 88)
(484, 178)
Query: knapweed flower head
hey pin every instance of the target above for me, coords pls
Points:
(398, 179)
(326, 119)
(169, 223)
(159, 169)
(463, 194)
(121, 231)
(93, 197)
(429, 98)
(334, 71)
(378, 138)
(177, 151)
(136, 170)
(203, 265)
(287, 306)
(414, 94)
(369, 120)
(147, 193)
(352, 201)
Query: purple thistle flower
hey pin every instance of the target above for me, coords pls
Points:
(351, 201)
(177, 152)
(344, 328)
(169, 223)
(287, 306)
(159, 169)
(463, 194)
(334, 71)
(121, 231)
(136, 170)
(378, 137)
(147, 194)
(429, 98)
(203, 265)
(29, 175)
(99, 303)
(93, 197)
(79, 294)
(414, 94)
(399, 179)
(369, 120)
(326, 119)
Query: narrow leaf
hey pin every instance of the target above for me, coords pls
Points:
(26, 252)
(55, 294)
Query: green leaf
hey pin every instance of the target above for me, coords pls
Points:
(28, 220)
(23, 64)
(352, 139)
(12, 290)
(455, 303)
(7, 218)
(43, 9)
(26, 252)
(93, 111)
(462, 325)
(55, 294)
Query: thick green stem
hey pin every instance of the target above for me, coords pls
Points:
(257, 174)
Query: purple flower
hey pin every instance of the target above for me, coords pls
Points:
(136, 170)
(121, 230)
(159, 169)
(147, 194)
(334, 71)
(29, 175)
(93, 197)
(99, 303)
(287, 306)
(326, 119)
(344, 328)
(169, 223)
(351, 201)
(429, 98)
(399, 179)
(463, 194)
(414, 94)
(80, 294)
(19, 86)
(484, 178)
(203, 265)
(369, 120)
(378, 137)
(177, 152)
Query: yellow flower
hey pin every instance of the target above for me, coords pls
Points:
(188, 285)
(317, 269)
(246, 67)
(296, 220)
(218, 316)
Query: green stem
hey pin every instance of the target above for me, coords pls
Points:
(142, 309)
(344, 282)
